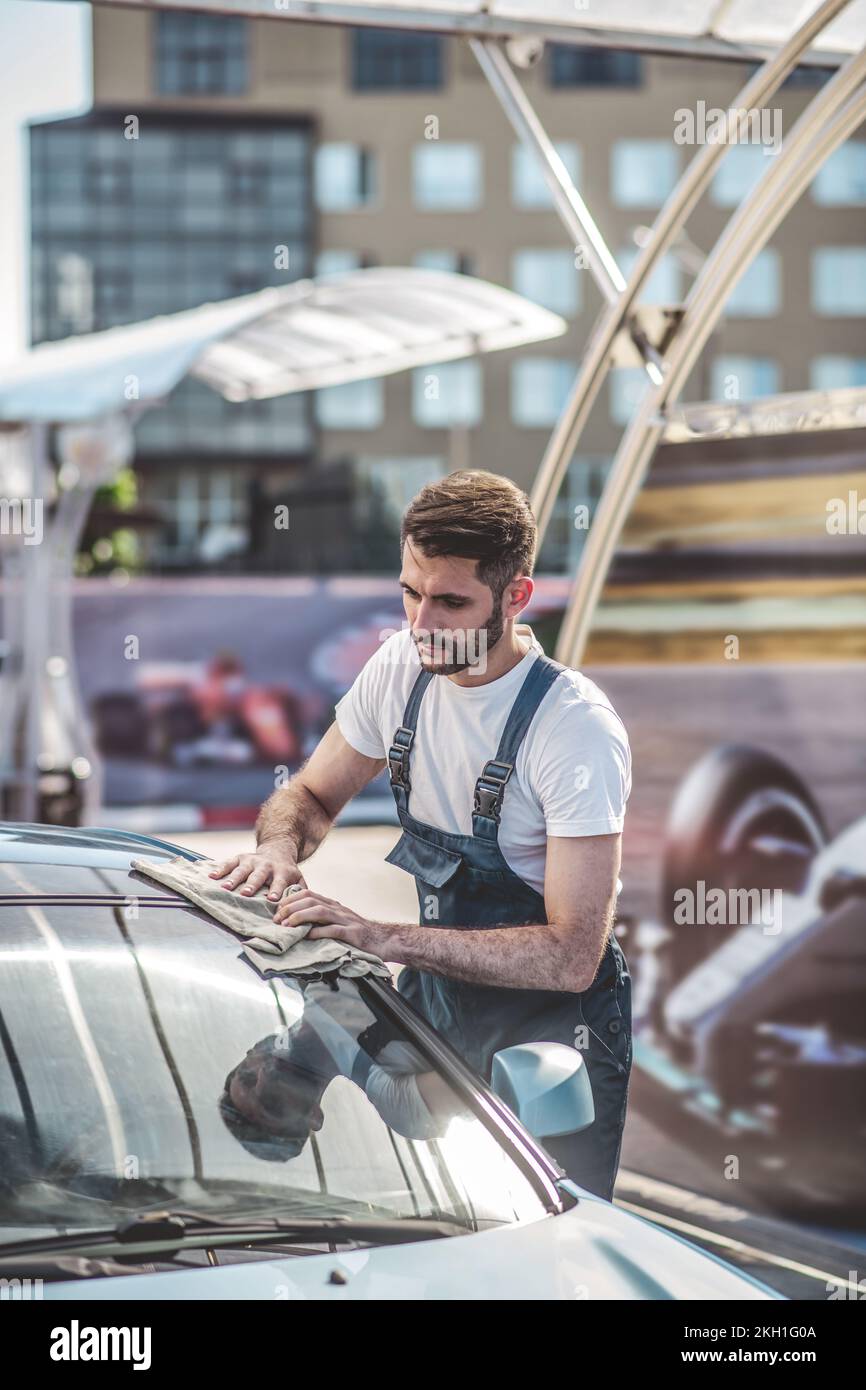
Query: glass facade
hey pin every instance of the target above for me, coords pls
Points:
(395, 60)
(194, 210)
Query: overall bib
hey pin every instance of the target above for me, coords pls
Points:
(465, 881)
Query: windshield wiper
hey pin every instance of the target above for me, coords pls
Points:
(185, 1229)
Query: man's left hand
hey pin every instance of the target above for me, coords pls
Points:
(341, 923)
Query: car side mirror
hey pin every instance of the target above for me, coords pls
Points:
(546, 1084)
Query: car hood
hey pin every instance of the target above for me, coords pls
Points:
(594, 1251)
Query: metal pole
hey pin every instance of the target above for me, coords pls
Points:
(828, 121)
(669, 223)
(35, 602)
(578, 220)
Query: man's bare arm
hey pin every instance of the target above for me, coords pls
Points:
(563, 954)
(297, 817)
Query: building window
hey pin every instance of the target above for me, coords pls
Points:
(663, 286)
(446, 177)
(807, 76)
(628, 386)
(740, 378)
(741, 168)
(834, 372)
(447, 396)
(356, 405)
(643, 172)
(539, 390)
(454, 261)
(206, 511)
(758, 294)
(337, 262)
(343, 177)
(393, 482)
(395, 59)
(839, 280)
(200, 54)
(841, 182)
(569, 65)
(528, 186)
(548, 277)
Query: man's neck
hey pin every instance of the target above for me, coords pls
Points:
(509, 650)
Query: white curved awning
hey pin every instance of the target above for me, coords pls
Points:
(718, 28)
(313, 333)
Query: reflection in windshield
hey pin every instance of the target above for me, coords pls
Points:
(145, 1064)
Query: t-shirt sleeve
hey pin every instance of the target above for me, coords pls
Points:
(359, 711)
(583, 779)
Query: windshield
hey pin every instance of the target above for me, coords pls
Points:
(145, 1064)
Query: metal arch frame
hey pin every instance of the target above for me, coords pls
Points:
(825, 124)
(622, 297)
(669, 223)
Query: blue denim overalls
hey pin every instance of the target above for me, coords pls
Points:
(465, 881)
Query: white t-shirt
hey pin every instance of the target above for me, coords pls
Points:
(573, 770)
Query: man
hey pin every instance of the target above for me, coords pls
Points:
(510, 775)
(271, 1101)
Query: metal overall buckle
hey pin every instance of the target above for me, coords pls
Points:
(490, 788)
(398, 757)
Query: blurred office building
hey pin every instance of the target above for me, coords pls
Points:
(345, 148)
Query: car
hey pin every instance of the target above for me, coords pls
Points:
(176, 1124)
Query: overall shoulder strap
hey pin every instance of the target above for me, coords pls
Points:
(490, 787)
(401, 744)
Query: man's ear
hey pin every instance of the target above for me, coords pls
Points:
(518, 594)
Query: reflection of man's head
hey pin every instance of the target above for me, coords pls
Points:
(270, 1100)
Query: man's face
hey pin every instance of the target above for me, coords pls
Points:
(454, 620)
(277, 1097)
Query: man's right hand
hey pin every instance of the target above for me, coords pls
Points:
(273, 864)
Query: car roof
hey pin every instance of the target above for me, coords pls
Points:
(72, 849)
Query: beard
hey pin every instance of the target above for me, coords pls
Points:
(453, 653)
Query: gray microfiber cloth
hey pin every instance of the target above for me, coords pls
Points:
(271, 946)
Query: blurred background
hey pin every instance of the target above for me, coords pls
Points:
(255, 135)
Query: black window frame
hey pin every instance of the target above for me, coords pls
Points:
(390, 69)
(220, 56)
(576, 65)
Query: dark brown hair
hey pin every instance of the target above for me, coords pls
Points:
(478, 516)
